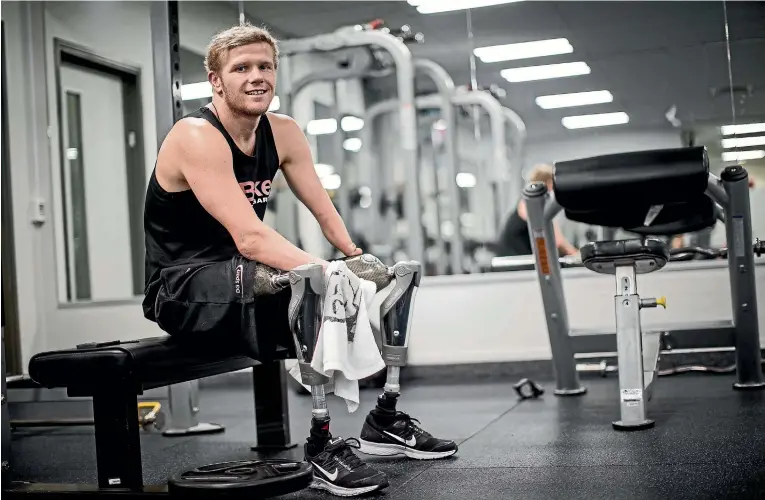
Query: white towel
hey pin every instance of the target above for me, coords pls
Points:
(346, 350)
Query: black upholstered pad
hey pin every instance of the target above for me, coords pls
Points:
(647, 254)
(146, 363)
(615, 181)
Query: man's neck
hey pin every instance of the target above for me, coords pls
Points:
(241, 128)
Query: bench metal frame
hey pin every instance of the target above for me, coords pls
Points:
(732, 195)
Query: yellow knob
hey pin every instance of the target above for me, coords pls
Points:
(662, 301)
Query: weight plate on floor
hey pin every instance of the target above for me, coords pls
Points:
(246, 478)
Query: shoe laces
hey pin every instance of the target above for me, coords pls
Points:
(343, 453)
(412, 429)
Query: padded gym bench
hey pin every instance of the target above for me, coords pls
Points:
(114, 374)
(646, 193)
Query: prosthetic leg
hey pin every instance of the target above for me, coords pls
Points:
(387, 431)
(336, 468)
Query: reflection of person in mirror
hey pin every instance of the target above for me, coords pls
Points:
(514, 236)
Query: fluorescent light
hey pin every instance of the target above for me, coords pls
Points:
(275, 104)
(351, 123)
(574, 99)
(748, 128)
(465, 180)
(523, 50)
(324, 170)
(199, 90)
(743, 142)
(321, 127)
(545, 72)
(331, 181)
(597, 120)
(743, 155)
(435, 6)
(352, 144)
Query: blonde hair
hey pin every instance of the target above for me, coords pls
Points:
(237, 36)
(540, 173)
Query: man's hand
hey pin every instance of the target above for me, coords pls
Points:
(351, 250)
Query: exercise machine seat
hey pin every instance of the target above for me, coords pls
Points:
(621, 190)
(146, 364)
(647, 255)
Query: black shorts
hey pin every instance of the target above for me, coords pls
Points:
(215, 302)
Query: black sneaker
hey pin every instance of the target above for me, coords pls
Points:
(339, 471)
(403, 436)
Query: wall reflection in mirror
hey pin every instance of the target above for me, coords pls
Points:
(500, 92)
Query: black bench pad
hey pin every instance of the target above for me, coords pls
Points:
(146, 363)
(614, 182)
(601, 256)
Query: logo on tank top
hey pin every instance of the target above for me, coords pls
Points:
(256, 191)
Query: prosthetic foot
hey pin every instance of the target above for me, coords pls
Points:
(336, 468)
(385, 430)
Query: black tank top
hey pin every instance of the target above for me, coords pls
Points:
(178, 230)
(514, 237)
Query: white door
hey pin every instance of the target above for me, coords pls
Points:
(102, 194)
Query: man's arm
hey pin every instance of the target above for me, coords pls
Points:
(203, 158)
(298, 167)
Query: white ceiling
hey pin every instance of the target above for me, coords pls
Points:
(649, 55)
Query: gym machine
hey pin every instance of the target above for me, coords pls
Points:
(649, 193)
(442, 100)
(367, 35)
(504, 171)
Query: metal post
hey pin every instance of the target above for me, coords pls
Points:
(272, 416)
(445, 86)
(184, 406)
(515, 182)
(165, 41)
(498, 173)
(343, 194)
(118, 445)
(548, 271)
(738, 229)
(6, 464)
(632, 400)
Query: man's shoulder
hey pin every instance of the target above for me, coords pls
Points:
(281, 124)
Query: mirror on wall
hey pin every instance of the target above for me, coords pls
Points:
(594, 78)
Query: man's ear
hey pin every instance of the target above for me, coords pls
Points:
(215, 81)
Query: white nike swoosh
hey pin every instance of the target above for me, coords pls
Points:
(331, 477)
(409, 442)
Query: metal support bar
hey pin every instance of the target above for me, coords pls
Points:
(738, 230)
(632, 400)
(6, 457)
(499, 173)
(118, 445)
(551, 284)
(272, 416)
(445, 86)
(165, 42)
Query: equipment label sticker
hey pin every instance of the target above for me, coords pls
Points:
(632, 394)
(738, 235)
(544, 263)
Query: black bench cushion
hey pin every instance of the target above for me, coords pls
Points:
(616, 181)
(146, 363)
(619, 190)
(602, 256)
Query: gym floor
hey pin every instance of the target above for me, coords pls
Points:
(708, 443)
